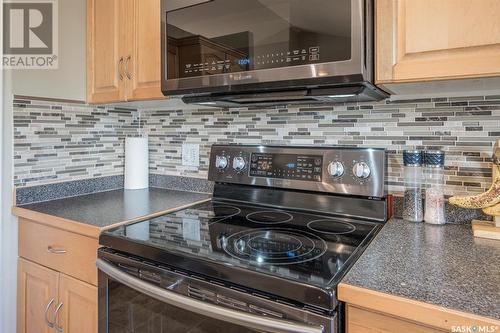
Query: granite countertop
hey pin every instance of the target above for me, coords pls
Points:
(440, 265)
(109, 208)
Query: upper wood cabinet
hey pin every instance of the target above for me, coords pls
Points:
(145, 62)
(436, 39)
(105, 81)
(123, 50)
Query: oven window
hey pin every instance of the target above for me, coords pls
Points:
(132, 312)
(224, 36)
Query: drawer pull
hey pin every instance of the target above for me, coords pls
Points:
(55, 251)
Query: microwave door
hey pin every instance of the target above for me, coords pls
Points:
(171, 5)
(223, 45)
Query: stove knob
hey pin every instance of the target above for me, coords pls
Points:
(336, 169)
(239, 163)
(221, 162)
(361, 170)
(222, 241)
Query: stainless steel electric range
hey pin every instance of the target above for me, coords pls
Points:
(264, 255)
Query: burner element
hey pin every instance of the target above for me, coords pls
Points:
(223, 211)
(331, 227)
(275, 246)
(287, 244)
(269, 217)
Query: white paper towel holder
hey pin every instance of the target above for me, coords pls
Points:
(136, 173)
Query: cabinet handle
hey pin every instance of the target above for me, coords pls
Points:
(55, 251)
(127, 73)
(56, 313)
(49, 324)
(120, 68)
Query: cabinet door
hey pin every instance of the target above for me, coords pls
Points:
(436, 39)
(78, 302)
(105, 53)
(37, 287)
(144, 55)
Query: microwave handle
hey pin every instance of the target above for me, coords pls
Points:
(216, 312)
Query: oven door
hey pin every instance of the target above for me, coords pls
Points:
(222, 45)
(137, 297)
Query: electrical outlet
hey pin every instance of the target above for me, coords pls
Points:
(191, 154)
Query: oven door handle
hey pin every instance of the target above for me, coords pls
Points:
(213, 311)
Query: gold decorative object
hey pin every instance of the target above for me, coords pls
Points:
(488, 201)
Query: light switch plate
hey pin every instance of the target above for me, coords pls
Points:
(191, 154)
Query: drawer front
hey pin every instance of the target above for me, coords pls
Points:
(365, 321)
(63, 251)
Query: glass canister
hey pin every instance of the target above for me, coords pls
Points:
(413, 210)
(434, 193)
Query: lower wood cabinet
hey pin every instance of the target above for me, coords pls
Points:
(79, 310)
(370, 311)
(52, 302)
(57, 280)
(360, 320)
(37, 291)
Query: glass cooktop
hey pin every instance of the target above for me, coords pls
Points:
(249, 245)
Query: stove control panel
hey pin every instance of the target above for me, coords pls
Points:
(287, 166)
(352, 171)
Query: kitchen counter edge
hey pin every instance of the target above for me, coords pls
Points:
(91, 230)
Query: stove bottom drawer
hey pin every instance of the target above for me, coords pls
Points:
(130, 302)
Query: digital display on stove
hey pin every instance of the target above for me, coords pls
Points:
(287, 166)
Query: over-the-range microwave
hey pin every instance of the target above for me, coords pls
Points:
(235, 53)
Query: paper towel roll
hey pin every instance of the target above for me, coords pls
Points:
(136, 163)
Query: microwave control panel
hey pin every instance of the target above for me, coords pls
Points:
(227, 63)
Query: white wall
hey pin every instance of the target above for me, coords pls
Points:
(69, 81)
(8, 224)
(2, 316)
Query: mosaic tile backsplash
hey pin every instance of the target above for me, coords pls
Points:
(57, 142)
(464, 127)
